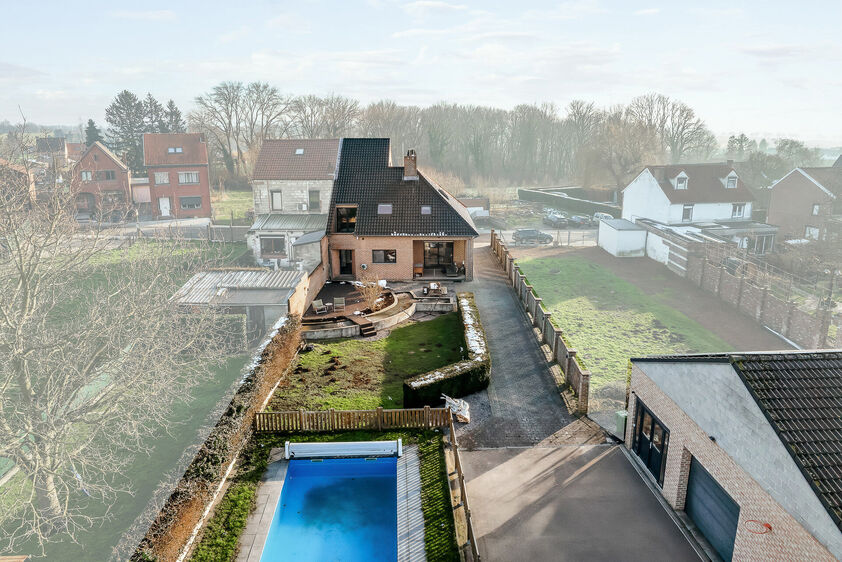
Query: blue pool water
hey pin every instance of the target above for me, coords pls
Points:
(336, 509)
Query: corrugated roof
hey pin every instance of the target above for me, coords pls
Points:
(309, 238)
(254, 297)
(218, 286)
(800, 394)
(194, 150)
(278, 221)
(705, 184)
(366, 180)
(297, 159)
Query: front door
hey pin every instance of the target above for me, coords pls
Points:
(651, 439)
(346, 262)
(164, 206)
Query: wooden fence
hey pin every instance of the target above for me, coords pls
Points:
(339, 420)
(460, 475)
(574, 374)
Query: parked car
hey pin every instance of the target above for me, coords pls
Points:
(602, 217)
(555, 221)
(580, 221)
(531, 236)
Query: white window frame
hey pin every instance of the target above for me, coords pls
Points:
(811, 229)
(183, 208)
(384, 208)
(738, 210)
(681, 181)
(816, 209)
(280, 205)
(684, 216)
(164, 175)
(87, 175)
(175, 150)
(183, 175)
(728, 181)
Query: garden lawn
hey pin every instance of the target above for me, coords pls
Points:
(222, 533)
(355, 374)
(240, 202)
(609, 320)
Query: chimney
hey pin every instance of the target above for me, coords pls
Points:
(410, 166)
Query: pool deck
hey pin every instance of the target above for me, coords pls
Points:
(410, 515)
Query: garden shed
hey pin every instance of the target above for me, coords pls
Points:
(622, 238)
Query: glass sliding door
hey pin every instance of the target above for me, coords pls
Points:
(438, 254)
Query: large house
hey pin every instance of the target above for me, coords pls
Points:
(705, 201)
(177, 168)
(393, 222)
(292, 186)
(100, 184)
(746, 447)
(806, 203)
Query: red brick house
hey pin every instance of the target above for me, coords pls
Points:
(177, 166)
(806, 201)
(100, 183)
(745, 447)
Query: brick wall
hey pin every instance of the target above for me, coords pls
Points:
(788, 540)
(791, 205)
(174, 190)
(729, 288)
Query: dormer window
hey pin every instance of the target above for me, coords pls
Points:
(299, 151)
(384, 209)
(175, 150)
(681, 181)
(731, 181)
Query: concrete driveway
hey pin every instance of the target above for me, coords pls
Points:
(582, 502)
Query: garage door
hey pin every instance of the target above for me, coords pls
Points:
(712, 510)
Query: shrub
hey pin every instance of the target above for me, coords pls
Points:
(459, 379)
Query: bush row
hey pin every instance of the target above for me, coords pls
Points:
(458, 379)
(180, 513)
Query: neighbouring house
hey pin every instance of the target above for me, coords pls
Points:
(52, 149)
(177, 169)
(75, 150)
(708, 201)
(100, 184)
(292, 186)
(393, 222)
(17, 176)
(746, 447)
(263, 295)
(806, 203)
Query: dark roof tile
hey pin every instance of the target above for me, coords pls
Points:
(278, 159)
(704, 184)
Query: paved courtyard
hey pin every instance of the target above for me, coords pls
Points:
(582, 502)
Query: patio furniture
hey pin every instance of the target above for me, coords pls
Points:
(339, 304)
(451, 270)
(319, 307)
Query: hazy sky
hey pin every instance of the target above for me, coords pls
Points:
(771, 68)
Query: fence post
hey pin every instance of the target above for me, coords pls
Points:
(538, 301)
(231, 228)
(301, 418)
(571, 357)
(380, 418)
(332, 421)
(584, 392)
(427, 420)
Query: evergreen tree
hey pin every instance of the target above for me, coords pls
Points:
(92, 133)
(125, 118)
(153, 115)
(173, 121)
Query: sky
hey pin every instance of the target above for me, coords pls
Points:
(767, 68)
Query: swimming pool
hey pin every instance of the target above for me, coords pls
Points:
(336, 509)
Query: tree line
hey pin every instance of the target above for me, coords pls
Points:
(529, 144)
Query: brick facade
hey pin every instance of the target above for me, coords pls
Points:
(787, 540)
(98, 179)
(791, 205)
(174, 191)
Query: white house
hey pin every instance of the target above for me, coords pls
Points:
(705, 200)
(292, 186)
(687, 193)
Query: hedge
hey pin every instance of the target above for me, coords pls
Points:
(459, 379)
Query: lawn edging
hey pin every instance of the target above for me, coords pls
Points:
(458, 379)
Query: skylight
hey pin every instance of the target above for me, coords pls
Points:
(299, 151)
(384, 209)
(426, 210)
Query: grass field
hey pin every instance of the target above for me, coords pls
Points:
(240, 202)
(356, 374)
(609, 320)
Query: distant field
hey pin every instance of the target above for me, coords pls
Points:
(240, 202)
(609, 320)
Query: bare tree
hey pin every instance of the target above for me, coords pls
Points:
(93, 356)
(339, 116)
(370, 290)
(624, 145)
(679, 130)
(219, 110)
(263, 112)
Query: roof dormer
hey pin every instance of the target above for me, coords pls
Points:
(680, 181)
(730, 180)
